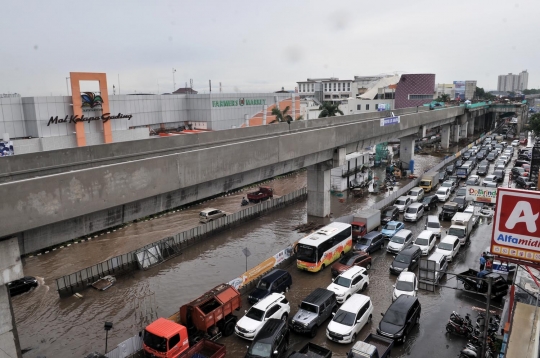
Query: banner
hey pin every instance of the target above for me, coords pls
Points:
(389, 121)
(481, 194)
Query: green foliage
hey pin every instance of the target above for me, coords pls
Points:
(443, 98)
(534, 123)
(531, 91)
(329, 110)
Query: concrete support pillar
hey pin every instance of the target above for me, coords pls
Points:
(11, 269)
(265, 110)
(422, 132)
(318, 187)
(445, 136)
(246, 119)
(470, 127)
(456, 129)
(463, 128)
(406, 148)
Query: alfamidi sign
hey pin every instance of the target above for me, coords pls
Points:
(516, 228)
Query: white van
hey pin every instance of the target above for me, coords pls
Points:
(416, 194)
(414, 212)
(425, 241)
(449, 246)
(434, 225)
(441, 265)
(350, 318)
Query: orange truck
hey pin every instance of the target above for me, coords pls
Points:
(193, 330)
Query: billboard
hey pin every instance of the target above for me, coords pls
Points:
(481, 194)
(516, 227)
(389, 121)
(459, 87)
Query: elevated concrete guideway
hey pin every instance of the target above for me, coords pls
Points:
(43, 211)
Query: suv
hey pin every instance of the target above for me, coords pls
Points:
(521, 182)
(314, 310)
(271, 341)
(370, 242)
(208, 215)
(430, 202)
(402, 203)
(425, 241)
(391, 213)
(414, 212)
(482, 170)
(275, 281)
(400, 318)
(273, 306)
(406, 259)
(461, 202)
(448, 211)
(416, 194)
(401, 240)
(350, 319)
(349, 282)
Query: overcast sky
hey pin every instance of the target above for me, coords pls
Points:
(252, 46)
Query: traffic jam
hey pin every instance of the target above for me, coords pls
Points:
(354, 289)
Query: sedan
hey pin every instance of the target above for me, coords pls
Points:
(443, 175)
(359, 258)
(499, 174)
(489, 179)
(491, 156)
(500, 164)
(402, 203)
(22, 285)
(449, 184)
(443, 194)
(390, 229)
(481, 155)
(461, 191)
(389, 214)
(504, 158)
(482, 170)
(473, 180)
(450, 169)
(515, 143)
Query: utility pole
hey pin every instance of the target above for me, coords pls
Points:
(210, 84)
(486, 322)
(67, 87)
(173, 81)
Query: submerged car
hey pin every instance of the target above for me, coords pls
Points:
(22, 285)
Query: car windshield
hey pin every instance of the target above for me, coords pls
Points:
(342, 281)
(459, 232)
(261, 350)
(449, 207)
(441, 192)
(255, 314)
(404, 286)
(433, 224)
(398, 239)
(364, 241)
(394, 317)
(427, 199)
(309, 307)
(390, 227)
(446, 246)
(344, 317)
(483, 168)
(405, 259)
(412, 193)
(446, 184)
(461, 192)
(411, 210)
(347, 260)
(388, 213)
(263, 284)
(400, 202)
(459, 200)
(155, 342)
(421, 241)
(306, 253)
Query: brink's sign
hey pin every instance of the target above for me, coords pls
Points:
(75, 118)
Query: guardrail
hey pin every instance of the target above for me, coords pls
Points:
(167, 247)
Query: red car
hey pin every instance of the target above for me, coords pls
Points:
(359, 258)
(523, 141)
(527, 167)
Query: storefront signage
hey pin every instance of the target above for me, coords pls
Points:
(481, 194)
(75, 118)
(516, 228)
(389, 121)
(90, 99)
(239, 102)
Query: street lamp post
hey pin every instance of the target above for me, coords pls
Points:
(67, 87)
(173, 81)
(108, 326)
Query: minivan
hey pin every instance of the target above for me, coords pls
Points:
(440, 263)
(208, 215)
(406, 259)
(276, 281)
(449, 247)
(400, 240)
(414, 212)
(402, 315)
(425, 241)
(434, 225)
(416, 194)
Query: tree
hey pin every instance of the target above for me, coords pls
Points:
(480, 93)
(443, 98)
(534, 123)
(329, 110)
(283, 116)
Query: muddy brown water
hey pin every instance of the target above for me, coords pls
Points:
(71, 327)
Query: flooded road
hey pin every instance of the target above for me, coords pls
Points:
(70, 327)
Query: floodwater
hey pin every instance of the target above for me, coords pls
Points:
(71, 327)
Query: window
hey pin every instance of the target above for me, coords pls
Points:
(174, 341)
(327, 96)
(326, 86)
(312, 87)
(376, 106)
(271, 311)
(348, 86)
(334, 86)
(339, 86)
(420, 96)
(367, 107)
(358, 107)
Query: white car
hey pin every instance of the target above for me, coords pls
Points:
(402, 239)
(416, 194)
(349, 282)
(414, 212)
(273, 306)
(449, 247)
(515, 143)
(505, 158)
(350, 318)
(425, 241)
(402, 203)
(443, 194)
(406, 284)
(474, 149)
(489, 179)
(434, 225)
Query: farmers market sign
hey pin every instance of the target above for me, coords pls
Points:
(239, 102)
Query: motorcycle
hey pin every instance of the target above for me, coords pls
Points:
(244, 202)
(455, 317)
(461, 330)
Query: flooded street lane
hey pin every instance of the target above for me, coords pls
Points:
(71, 327)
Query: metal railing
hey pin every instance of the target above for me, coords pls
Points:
(167, 247)
(127, 348)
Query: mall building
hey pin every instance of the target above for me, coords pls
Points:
(33, 124)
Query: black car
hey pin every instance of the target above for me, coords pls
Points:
(482, 170)
(481, 155)
(523, 157)
(389, 214)
(271, 341)
(500, 174)
(370, 242)
(454, 178)
(448, 211)
(517, 171)
(523, 183)
(520, 163)
(430, 202)
(276, 281)
(407, 259)
(443, 175)
(461, 202)
(458, 163)
(22, 285)
(400, 318)
(466, 155)
(450, 169)
(492, 156)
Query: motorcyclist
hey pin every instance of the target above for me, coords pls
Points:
(244, 201)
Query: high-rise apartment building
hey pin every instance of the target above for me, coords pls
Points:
(513, 83)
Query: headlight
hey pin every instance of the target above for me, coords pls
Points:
(293, 321)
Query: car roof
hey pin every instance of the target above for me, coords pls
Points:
(449, 239)
(371, 234)
(354, 270)
(207, 210)
(406, 276)
(273, 275)
(318, 296)
(403, 233)
(410, 250)
(425, 234)
(404, 197)
(268, 300)
(403, 303)
(416, 188)
(436, 256)
(394, 222)
(416, 205)
(433, 218)
(355, 302)
(269, 330)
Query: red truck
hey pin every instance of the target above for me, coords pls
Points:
(208, 317)
(264, 193)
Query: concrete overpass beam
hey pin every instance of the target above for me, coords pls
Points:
(318, 187)
(11, 268)
(406, 148)
(470, 126)
(463, 128)
(455, 129)
(445, 136)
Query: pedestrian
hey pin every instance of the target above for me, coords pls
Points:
(482, 261)
(489, 263)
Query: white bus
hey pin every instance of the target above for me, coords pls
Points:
(318, 250)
